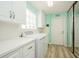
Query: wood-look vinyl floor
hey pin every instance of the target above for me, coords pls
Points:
(76, 52)
(57, 51)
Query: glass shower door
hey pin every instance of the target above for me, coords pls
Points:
(70, 29)
(76, 18)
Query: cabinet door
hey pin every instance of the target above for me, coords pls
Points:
(45, 45)
(19, 11)
(41, 48)
(30, 55)
(29, 50)
(5, 10)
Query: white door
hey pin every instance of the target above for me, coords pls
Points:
(58, 30)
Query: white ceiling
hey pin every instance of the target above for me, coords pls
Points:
(58, 6)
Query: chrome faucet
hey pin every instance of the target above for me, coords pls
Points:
(21, 35)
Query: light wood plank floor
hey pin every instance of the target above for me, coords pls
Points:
(56, 51)
(76, 51)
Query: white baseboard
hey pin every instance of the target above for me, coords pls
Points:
(63, 45)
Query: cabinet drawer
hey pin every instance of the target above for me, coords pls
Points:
(28, 48)
(13, 54)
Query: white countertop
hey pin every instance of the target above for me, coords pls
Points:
(12, 44)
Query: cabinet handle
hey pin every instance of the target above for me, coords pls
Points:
(10, 14)
(13, 15)
(30, 47)
(42, 38)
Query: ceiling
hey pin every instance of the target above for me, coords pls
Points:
(58, 6)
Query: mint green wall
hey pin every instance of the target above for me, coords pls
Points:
(48, 21)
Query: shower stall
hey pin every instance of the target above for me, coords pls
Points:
(73, 29)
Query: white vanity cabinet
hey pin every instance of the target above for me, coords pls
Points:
(14, 11)
(25, 51)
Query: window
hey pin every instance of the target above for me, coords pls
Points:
(30, 19)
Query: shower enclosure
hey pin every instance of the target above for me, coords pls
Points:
(73, 29)
(76, 18)
(70, 29)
